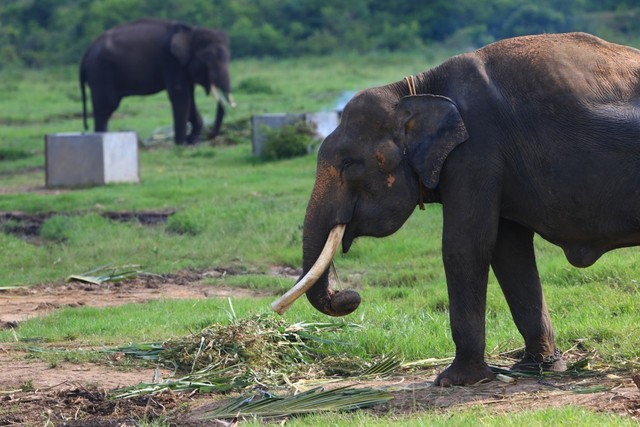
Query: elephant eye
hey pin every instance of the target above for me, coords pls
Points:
(345, 164)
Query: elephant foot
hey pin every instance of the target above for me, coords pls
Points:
(541, 363)
(464, 374)
(193, 140)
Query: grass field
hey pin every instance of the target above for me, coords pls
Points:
(236, 213)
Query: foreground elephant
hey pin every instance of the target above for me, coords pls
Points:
(147, 56)
(537, 134)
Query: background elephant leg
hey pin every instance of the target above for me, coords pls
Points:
(181, 105)
(196, 122)
(215, 129)
(515, 268)
(466, 260)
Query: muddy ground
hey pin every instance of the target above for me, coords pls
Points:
(32, 392)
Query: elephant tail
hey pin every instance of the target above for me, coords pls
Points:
(83, 80)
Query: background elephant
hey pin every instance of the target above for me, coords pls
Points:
(538, 134)
(146, 56)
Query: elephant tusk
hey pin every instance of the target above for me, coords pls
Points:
(214, 91)
(227, 99)
(232, 102)
(322, 263)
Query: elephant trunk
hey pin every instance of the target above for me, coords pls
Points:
(222, 97)
(324, 227)
(315, 279)
(320, 295)
(215, 130)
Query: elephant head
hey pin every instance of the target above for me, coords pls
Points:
(372, 171)
(206, 55)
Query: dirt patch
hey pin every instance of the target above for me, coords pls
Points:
(604, 393)
(41, 376)
(28, 225)
(17, 305)
(83, 406)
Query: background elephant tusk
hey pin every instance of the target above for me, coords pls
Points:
(222, 97)
(322, 263)
(214, 91)
(232, 102)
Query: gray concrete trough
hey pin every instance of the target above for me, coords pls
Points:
(87, 159)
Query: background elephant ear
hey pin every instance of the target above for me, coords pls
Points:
(180, 46)
(432, 128)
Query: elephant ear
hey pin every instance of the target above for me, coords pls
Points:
(180, 46)
(432, 128)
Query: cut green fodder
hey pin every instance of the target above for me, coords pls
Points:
(261, 351)
(261, 342)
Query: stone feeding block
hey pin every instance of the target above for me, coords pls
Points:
(324, 122)
(87, 159)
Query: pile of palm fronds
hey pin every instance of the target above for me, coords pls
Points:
(264, 344)
(260, 351)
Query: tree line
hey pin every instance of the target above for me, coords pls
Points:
(38, 33)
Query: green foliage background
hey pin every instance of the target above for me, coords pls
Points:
(38, 33)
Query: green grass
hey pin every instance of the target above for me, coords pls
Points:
(236, 212)
(472, 417)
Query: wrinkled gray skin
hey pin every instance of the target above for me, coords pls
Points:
(147, 56)
(538, 134)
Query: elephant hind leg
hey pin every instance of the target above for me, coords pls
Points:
(104, 104)
(515, 268)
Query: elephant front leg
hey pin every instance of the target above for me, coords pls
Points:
(196, 123)
(515, 268)
(467, 269)
(181, 101)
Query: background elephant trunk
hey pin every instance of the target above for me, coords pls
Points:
(215, 130)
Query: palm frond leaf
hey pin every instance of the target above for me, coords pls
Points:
(205, 381)
(311, 401)
(386, 366)
(107, 273)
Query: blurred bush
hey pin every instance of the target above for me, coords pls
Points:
(289, 141)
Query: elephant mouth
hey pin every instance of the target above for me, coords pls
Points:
(348, 238)
(350, 231)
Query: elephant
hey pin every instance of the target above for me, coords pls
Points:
(536, 134)
(150, 55)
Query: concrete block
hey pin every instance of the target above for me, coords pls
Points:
(324, 122)
(86, 159)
